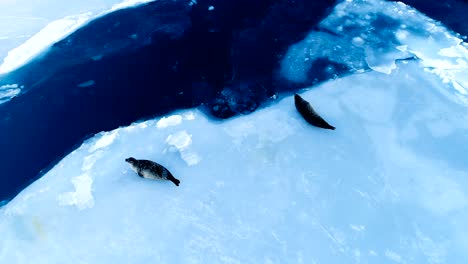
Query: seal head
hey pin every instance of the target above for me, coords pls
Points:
(151, 170)
(308, 113)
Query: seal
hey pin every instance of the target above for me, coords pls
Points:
(151, 170)
(309, 114)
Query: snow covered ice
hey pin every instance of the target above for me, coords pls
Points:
(389, 185)
(55, 27)
(374, 34)
(50, 34)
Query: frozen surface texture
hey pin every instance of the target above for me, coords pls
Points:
(389, 185)
(374, 34)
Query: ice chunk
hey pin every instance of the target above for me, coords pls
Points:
(172, 120)
(128, 3)
(181, 141)
(189, 116)
(82, 196)
(8, 91)
(106, 139)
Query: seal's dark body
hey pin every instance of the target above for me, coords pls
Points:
(309, 114)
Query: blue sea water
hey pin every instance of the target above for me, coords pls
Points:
(145, 61)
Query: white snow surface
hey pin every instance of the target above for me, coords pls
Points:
(54, 31)
(389, 185)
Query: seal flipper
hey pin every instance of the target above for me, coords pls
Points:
(173, 180)
(309, 114)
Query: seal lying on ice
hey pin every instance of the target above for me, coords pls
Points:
(151, 170)
(309, 114)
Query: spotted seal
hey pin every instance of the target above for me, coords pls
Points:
(151, 170)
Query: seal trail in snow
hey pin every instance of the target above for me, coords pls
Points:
(309, 114)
